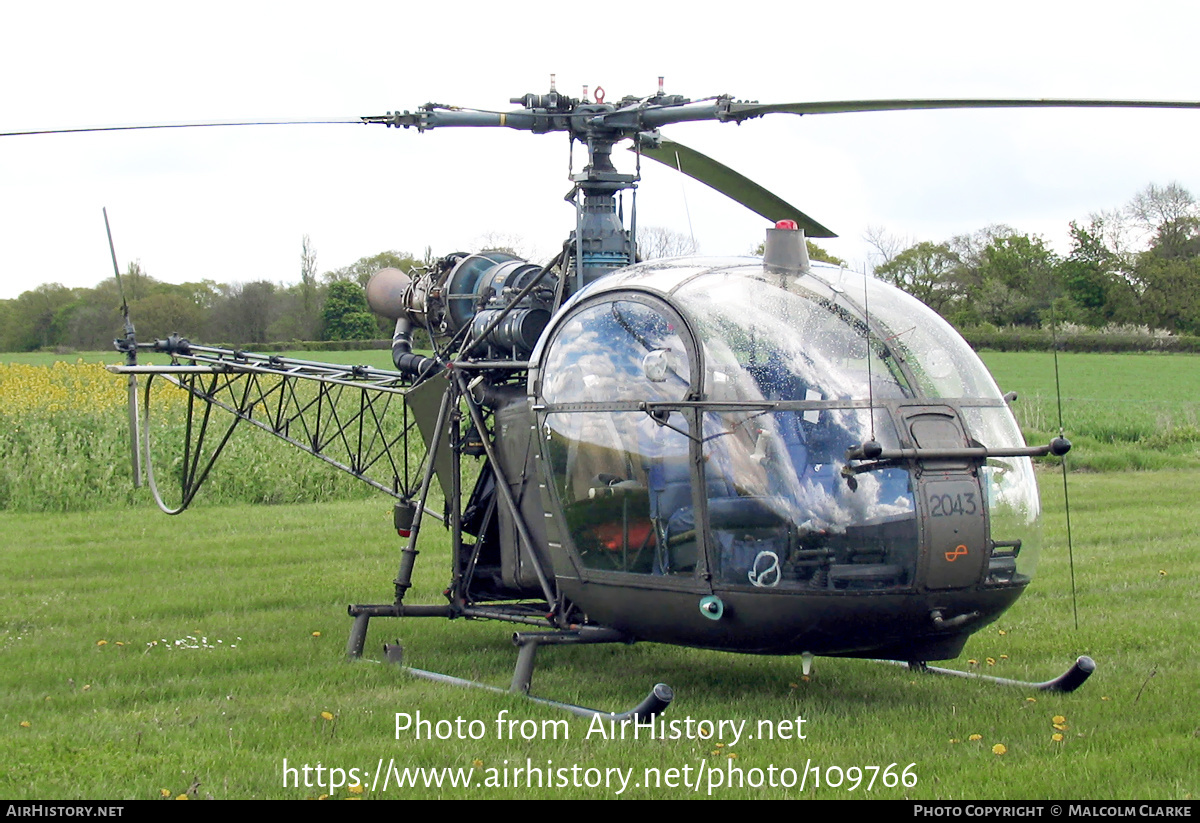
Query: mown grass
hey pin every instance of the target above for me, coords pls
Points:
(1121, 411)
(139, 714)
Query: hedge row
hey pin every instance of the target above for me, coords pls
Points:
(1023, 339)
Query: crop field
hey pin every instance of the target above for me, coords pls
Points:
(148, 657)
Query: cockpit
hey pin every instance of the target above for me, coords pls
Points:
(696, 419)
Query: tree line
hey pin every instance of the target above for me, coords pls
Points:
(1134, 266)
(1138, 265)
(329, 306)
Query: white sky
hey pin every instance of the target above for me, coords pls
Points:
(233, 204)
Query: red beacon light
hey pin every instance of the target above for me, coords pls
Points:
(785, 249)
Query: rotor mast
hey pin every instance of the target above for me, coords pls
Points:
(600, 242)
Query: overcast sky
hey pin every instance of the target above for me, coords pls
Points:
(233, 204)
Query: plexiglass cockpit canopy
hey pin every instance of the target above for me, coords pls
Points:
(697, 415)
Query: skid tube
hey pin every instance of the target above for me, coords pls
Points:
(1068, 681)
(656, 702)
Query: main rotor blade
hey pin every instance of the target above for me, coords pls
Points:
(197, 124)
(730, 183)
(743, 111)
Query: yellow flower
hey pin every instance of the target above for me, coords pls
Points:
(181, 797)
(1058, 718)
(1056, 737)
(477, 763)
(1030, 699)
(316, 634)
(1002, 632)
(1162, 572)
(1004, 657)
(101, 642)
(25, 724)
(1062, 727)
(999, 748)
(972, 662)
(991, 661)
(327, 715)
(975, 737)
(164, 792)
(954, 740)
(356, 789)
(732, 756)
(87, 687)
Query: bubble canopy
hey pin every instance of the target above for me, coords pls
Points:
(697, 415)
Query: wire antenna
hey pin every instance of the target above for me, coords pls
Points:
(129, 346)
(1066, 494)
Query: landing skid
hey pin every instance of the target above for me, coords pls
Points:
(1069, 681)
(656, 702)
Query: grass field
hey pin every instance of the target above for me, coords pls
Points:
(1122, 411)
(143, 656)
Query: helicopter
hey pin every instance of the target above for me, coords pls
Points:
(767, 456)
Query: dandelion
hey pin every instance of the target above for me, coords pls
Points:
(1062, 727)
(164, 793)
(25, 724)
(327, 715)
(1058, 718)
(316, 634)
(1056, 737)
(1030, 699)
(1004, 657)
(182, 797)
(87, 687)
(731, 756)
(1003, 633)
(999, 748)
(477, 763)
(101, 642)
(972, 662)
(1162, 572)
(975, 737)
(991, 661)
(356, 789)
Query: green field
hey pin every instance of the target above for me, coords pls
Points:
(221, 675)
(145, 655)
